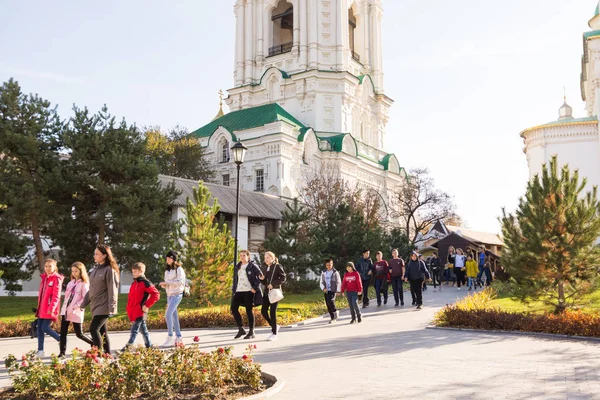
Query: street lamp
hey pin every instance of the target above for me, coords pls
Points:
(239, 151)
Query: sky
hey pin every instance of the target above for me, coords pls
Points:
(467, 76)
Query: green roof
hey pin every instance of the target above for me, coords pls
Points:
(249, 118)
(590, 34)
(335, 142)
(572, 120)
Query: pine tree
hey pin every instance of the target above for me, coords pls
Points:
(29, 161)
(206, 247)
(112, 193)
(291, 244)
(13, 249)
(550, 250)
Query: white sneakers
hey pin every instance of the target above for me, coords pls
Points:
(170, 342)
(179, 340)
(40, 354)
(277, 330)
(272, 338)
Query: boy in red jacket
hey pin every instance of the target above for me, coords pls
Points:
(142, 296)
(352, 285)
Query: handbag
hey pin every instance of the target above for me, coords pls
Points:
(274, 294)
(33, 329)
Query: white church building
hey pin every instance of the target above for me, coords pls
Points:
(575, 141)
(308, 93)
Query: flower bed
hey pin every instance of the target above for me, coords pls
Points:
(213, 317)
(474, 312)
(184, 372)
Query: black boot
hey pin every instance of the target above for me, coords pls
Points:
(241, 332)
(353, 320)
(250, 335)
(359, 319)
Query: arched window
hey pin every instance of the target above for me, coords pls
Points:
(224, 151)
(351, 34)
(283, 28)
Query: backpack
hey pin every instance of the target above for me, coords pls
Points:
(186, 287)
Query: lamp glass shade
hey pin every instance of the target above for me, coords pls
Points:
(239, 152)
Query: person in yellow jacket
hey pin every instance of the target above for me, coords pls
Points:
(472, 271)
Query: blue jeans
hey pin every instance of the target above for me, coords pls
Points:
(171, 315)
(353, 302)
(43, 328)
(381, 286)
(472, 281)
(135, 328)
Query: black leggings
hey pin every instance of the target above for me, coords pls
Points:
(64, 330)
(243, 299)
(269, 312)
(99, 332)
(460, 275)
(437, 278)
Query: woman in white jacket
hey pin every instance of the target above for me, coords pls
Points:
(174, 284)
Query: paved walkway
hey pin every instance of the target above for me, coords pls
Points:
(391, 355)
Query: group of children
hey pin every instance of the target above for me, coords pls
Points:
(99, 290)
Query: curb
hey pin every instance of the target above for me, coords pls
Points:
(554, 336)
(267, 394)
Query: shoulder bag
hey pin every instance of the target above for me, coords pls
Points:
(274, 294)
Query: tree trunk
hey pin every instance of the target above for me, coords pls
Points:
(561, 297)
(37, 240)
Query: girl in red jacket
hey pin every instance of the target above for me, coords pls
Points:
(48, 303)
(352, 285)
(71, 311)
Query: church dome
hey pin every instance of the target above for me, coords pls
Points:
(565, 111)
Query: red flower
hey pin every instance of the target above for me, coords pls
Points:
(25, 364)
(179, 344)
(160, 371)
(221, 350)
(23, 357)
(97, 385)
(204, 370)
(196, 339)
(120, 380)
(254, 347)
(244, 357)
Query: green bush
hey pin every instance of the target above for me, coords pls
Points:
(138, 372)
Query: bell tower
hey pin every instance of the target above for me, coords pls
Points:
(319, 59)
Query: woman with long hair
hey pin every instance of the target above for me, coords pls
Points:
(449, 264)
(48, 303)
(273, 277)
(174, 284)
(352, 286)
(103, 295)
(460, 266)
(71, 311)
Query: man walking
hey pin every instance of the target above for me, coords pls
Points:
(364, 266)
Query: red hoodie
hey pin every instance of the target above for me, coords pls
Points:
(141, 293)
(352, 282)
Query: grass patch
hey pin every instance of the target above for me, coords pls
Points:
(589, 304)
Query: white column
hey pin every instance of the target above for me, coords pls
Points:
(296, 33)
(259, 14)
(341, 21)
(239, 44)
(376, 47)
(312, 34)
(243, 231)
(379, 45)
(366, 17)
(303, 34)
(249, 42)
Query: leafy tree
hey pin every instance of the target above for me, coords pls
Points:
(29, 162)
(419, 204)
(178, 154)
(399, 240)
(291, 244)
(550, 250)
(206, 247)
(112, 193)
(343, 220)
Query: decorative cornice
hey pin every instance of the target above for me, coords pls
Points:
(557, 125)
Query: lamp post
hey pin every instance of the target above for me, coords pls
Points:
(239, 152)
